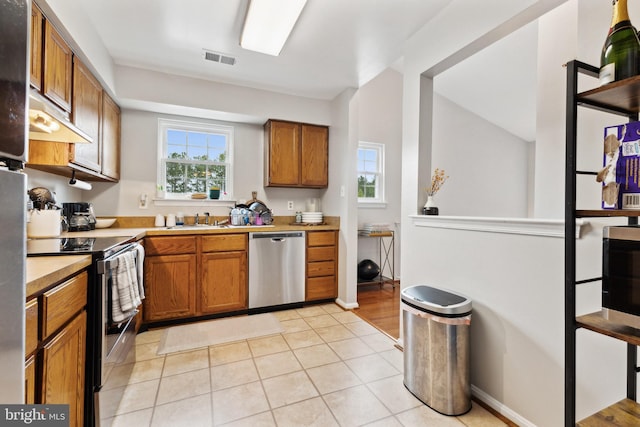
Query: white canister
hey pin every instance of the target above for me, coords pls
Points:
(313, 205)
(171, 220)
(159, 220)
(44, 223)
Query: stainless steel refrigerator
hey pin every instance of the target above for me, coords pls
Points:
(14, 47)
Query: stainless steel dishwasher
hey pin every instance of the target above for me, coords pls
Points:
(276, 268)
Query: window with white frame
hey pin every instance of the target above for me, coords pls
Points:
(194, 157)
(370, 172)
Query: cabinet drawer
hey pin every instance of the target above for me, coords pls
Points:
(31, 327)
(170, 245)
(321, 288)
(321, 253)
(224, 242)
(321, 238)
(63, 302)
(323, 268)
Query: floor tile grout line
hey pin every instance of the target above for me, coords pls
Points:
(290, 347)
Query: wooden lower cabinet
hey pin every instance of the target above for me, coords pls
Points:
(322, 265)
(223, 273)
(63, 367)
(191, 276)
(30, 380)
(55, 360)
(223, 286)
(170, 291)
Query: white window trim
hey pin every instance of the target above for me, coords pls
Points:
(163, 125)
(379, 202)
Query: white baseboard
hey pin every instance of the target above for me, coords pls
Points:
(347, 306)
(500, 408)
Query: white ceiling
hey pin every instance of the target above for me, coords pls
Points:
(336, 44)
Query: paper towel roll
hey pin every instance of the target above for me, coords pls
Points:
(44, 223)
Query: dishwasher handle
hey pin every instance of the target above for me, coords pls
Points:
(276, 237)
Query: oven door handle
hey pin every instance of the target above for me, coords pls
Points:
(110, 264)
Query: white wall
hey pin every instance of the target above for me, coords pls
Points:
(516, 325)
(341, 195)
(487, 166)
(380, 121)
(58, 185)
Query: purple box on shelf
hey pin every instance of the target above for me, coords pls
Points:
(620, 174)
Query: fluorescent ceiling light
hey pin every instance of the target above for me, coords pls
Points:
(269, 23)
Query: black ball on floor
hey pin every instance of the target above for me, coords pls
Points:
(367, 269)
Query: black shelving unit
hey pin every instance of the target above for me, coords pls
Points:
(622, 98)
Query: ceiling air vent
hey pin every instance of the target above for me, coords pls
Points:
(210, 55)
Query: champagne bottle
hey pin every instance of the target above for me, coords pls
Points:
(621, 50)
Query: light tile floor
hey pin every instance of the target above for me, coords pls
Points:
(328, 368)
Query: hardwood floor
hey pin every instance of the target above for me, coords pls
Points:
(380, 306)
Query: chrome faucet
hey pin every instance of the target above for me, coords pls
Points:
(206, 218)
(196, 221)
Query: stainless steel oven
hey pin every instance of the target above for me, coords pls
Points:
(117, 333)
(621, 274)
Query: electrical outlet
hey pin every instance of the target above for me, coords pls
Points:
(143, 202)
(290, 205)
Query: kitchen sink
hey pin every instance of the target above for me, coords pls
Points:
(195, 227)
(250, 226)
(213, 227)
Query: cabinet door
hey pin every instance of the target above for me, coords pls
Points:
(283, 147)
(31, 327)
(223, 282)
(57, 68)
(63, 369)
(30, 380)
(315, 156)
(110, 137)
(170, 283)
(87, 113)
(36, 47)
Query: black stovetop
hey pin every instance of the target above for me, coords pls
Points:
(75, 245)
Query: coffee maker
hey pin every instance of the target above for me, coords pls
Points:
(79, 216)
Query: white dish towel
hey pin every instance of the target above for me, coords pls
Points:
(126, 287)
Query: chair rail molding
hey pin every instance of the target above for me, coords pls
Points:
(525, 226)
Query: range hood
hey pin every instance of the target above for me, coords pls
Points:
(49, 123)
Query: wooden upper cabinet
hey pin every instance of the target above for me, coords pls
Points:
(87, 115)
(110, 137)
(282, 140)
(57, 68)
(36, 47)
(296, 155)
(314, 156)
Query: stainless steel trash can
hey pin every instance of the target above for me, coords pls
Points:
(436, 348)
